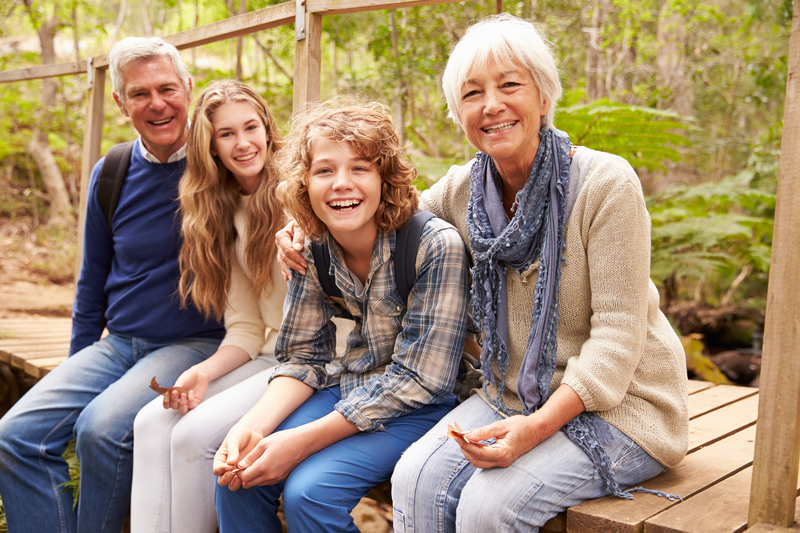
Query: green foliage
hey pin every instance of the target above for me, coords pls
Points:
(700, 365)
(646, 137)
(74, 482)
(3, 526)
(713, 227)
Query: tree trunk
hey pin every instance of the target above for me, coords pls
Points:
(399, 106)
(60, 212)
(671, 61)
(595, 77)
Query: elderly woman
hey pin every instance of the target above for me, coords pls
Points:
(585, 380)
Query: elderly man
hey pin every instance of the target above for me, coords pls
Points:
(128, 285)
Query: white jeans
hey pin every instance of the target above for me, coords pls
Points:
(173, 482)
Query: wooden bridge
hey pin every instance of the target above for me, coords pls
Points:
(739, 474)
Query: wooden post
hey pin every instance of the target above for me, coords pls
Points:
(777, 454)
(308, 62)
(92, 133)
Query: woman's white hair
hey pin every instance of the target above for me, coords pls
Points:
(506, 39)
(132, 49)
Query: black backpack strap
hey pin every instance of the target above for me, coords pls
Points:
(322, 259)
(112, 174)
(405, 253)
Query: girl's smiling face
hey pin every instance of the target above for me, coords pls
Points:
(344, 191)
(240, 140)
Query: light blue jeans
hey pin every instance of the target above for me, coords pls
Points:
(93, 396)
(434, 488)
(319, 494)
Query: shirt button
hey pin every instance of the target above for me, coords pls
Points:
(398, 307)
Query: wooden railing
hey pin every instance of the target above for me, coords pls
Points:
(777, 456)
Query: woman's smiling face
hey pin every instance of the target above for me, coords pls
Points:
(344, 190)
(240, 140)
(501, 111)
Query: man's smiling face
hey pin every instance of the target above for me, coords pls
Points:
(157, 103)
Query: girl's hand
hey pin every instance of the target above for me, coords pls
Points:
(274, 458)
(193, 381)
(239, 442)
(290, 242)
(513, 437)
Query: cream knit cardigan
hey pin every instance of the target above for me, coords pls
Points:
(616, 349)
(252, 321)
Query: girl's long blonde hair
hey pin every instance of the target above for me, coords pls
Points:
(209, 197)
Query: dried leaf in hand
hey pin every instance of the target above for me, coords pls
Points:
(166, 390)
(457, 433)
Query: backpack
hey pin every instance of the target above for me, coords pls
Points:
(405, 258)
(112, 174)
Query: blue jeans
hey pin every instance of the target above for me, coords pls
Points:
(93, 396)
(434, 488)
(320, 492)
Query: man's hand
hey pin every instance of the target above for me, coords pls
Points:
(239, 442)
(274, 458)
(290, 242)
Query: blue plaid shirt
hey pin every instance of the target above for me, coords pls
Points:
(397, 359)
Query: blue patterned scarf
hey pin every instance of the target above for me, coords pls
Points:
(535, 232)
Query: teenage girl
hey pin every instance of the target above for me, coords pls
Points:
(229, 216)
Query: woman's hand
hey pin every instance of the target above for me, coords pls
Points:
(513, 437)
(196, 383)
(519, 434)
(290, 242)
(239, 442)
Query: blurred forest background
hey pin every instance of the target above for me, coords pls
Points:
(689, 91)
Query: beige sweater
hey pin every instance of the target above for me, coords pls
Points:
(616, 349)
(252, 322)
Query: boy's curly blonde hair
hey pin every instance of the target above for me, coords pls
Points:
(368, 128)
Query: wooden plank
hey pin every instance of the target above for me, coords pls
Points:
(30, 342)
(777, 454)
(720, 509)
(40, 367)
(695, 386)
(557, 524)
(334, 7)
(19, 323)
(711, 399)
(92, 132)
(18, 361)
(258, 20)
(44, 71)
(718, 424)
(695, 473)
(308, 63)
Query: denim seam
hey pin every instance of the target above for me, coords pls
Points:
(42, 452)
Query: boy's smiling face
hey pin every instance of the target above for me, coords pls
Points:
(344, 191)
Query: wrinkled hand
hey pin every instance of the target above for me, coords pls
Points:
(228, 460)
(273, 458)
(290, 242)
(513, 436)
(193, 381)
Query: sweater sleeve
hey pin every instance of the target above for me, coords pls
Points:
(244, 326)
(616, 236)
(88, 310)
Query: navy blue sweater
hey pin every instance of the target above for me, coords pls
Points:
(128, 281)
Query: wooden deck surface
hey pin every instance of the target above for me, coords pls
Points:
(35, 345)
(713, 480)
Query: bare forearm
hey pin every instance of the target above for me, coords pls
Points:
(560, 408)
(281, 398)
(224, 360)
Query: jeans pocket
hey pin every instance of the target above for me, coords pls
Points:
(398, 520)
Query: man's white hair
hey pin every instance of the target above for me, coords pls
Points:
(132, 49)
